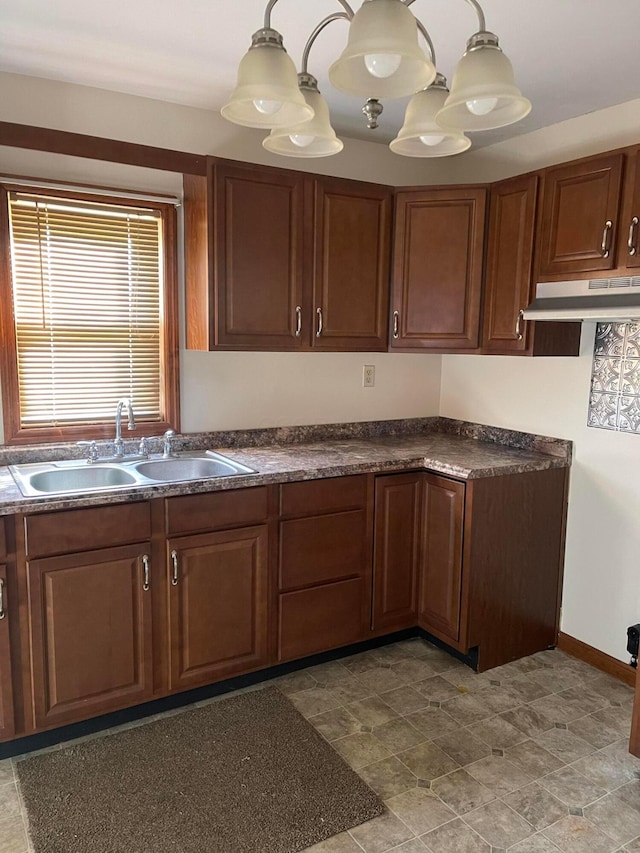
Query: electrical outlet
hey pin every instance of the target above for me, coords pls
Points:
(368, 376)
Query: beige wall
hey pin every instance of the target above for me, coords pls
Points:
(227, 390)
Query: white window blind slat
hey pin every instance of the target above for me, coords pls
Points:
(87, 294)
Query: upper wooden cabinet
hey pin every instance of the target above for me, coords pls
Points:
(352, 255)
(437, 274)
(629, 239)
(579, 217)
(510, 284)
(281, 260)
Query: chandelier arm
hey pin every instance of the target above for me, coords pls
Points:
(428, 40)
(336, 16)
(348, 11)
(482, 24)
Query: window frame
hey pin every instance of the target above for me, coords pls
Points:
(14, 433)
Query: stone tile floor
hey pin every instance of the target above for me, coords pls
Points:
(530, 757)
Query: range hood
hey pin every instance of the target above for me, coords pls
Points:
(612, 300)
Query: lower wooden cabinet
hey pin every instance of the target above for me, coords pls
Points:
(324, 574)
(218, 605)
(6, 686)
(441, 571)
(396, 563)
(90, 616)
(223, 584)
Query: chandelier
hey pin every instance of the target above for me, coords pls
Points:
(383, 59)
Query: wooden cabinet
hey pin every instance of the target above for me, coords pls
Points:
(437, 274)
(439, 610)
(396, 562)
(6, 684)
(90, 616)
(218, 604)
(281, 260)
(510, 283)
(579, 218)
(324, 565)
(629, 240)
(351, 265)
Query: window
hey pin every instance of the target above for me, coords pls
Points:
(88, 316)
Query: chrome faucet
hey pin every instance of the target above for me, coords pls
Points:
(118, 444)
(167, 450)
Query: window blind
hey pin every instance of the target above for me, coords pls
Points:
(87, 294)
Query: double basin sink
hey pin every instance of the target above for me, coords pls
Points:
(74, 476)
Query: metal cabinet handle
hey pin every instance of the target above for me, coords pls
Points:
(631, 242)
(605, 238)
(146, 565)
(3, 612)
(174, 573)
(298, 321)
(396, 324)
(519, 320)
(320, 325)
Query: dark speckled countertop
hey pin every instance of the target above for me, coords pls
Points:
(453, 448)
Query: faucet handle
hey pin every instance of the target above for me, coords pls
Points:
(93, 450)
(166, 449)
(143, 447)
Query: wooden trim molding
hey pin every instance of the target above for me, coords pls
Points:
(601, 660)
(96, 148)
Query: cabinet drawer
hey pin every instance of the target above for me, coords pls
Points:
(3, 540)
(87, 529)
(321, 549)
(216, 510)
(322, 618)
(317, 496)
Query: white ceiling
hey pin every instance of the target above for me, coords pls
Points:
(570, 56)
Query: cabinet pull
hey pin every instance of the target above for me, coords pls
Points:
(396, 324)
(605, 238)
(174, 572)
(631, 242)
(2, 601)
(146, 565)
(298, 321)
(519, 320)
(320, 326)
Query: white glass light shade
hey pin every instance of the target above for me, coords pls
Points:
(324, 140)
(483, 75)
(420, 121)
(379, 29)
(267, 74)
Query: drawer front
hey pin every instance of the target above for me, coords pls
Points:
(317, 496)
(321, 549)
(322, 618)
(216, 510)
(87, 529)
(3, 539)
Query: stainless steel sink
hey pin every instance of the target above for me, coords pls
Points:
(175, 470)
(74, 476)
(88, 478)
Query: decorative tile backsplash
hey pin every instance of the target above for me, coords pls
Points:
(615, 379)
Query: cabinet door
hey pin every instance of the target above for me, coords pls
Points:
(508, 285)
(6, 691)
(351, 265)
(218, 605)
(437, 277)
(629, 251)
(90, 618)
(441, 576)
(579, 219)
(259, 236)
(396, 551)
